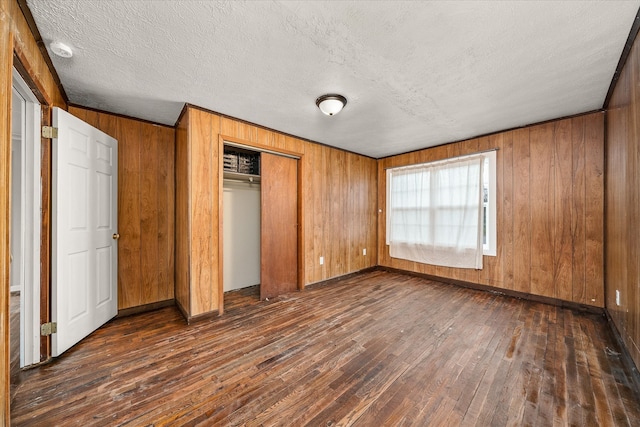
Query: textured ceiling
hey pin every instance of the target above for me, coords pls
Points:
(416, 74)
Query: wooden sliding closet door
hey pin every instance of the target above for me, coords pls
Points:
(279, 225)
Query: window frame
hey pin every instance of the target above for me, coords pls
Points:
(490, 220)
(490, 248)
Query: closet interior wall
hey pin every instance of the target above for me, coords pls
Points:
(241, 224)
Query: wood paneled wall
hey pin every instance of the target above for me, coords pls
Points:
(338, 204)
(623, 204)
(197, 214)
(145, 206)
(15, 38)
(550, 185)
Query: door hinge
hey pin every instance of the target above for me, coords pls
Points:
(47, 329)
(49, 132)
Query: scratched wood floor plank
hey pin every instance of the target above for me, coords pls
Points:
(378, 348)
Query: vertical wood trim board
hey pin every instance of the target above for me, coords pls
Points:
(549, 215)
(622, 204)
(220, 227)
(146, 197)
(45, 230)
(182, 229)
(204, 215)
(5, 199)
(300, 218)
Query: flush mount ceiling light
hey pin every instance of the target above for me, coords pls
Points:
(331, 104)
(61, 49)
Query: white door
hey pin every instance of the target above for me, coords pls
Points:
(84, 230)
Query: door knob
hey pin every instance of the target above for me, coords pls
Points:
(116, 236)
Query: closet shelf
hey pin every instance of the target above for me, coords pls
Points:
(244, 177)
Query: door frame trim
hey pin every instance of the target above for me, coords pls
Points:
(256, 146)
(31, 189)
(20, 64)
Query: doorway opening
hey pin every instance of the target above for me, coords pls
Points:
(26, 196)
(241, 231)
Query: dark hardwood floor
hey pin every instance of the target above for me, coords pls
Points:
(241, 298)
(378, 349)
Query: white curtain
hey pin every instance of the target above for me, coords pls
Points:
(434, 212)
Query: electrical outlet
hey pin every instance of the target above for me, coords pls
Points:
(364, 251)
(617, 297)
(321, 260)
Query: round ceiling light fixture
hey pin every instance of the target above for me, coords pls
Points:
(61, 49)
(331, 104)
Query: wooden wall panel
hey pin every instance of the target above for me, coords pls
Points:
(493, 266)
(541, 209)
(522, 215)
(578, 200)
(550, 210)
(130, 244)
(165, 203)
(562, 272)
(145, 206)
(203, 143)
(339, 201)
(505, 278)
(149, 213)
(201, 266)
(317, 205)
(594, 211)
(622, 204)
(197, 213)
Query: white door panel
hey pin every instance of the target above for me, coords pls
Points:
(84, 288)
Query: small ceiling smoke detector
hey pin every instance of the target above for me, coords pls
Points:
(61, 49)
(331, 104)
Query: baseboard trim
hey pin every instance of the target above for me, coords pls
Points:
(200, 317)
(627, 360)
(144, 308)
(339, 278)
(508, 292)
(182, 311)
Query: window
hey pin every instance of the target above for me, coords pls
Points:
(437, 210)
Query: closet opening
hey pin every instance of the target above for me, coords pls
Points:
(241, 227)
(261, 212)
